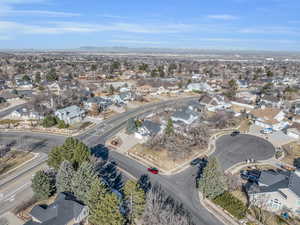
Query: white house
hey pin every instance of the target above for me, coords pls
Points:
(26, 114)
(70, 115)
(204, 87)
(214, 103)
(276, 191)
(242, 83)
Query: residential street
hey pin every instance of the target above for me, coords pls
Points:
(181, 186)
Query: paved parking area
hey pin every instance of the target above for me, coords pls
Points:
(277, 138)
(232, 150)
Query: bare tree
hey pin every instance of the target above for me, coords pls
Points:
(161, 209)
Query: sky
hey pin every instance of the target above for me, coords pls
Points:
(207, 24)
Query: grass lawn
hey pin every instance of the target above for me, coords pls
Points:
(160, 157)
(292, 151)
(13, 159)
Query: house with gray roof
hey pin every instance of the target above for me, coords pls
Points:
(185, 115)
(65, 210)
(276, 191)
(70, 115)
(148, 129)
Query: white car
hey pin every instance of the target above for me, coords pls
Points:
(267, 131)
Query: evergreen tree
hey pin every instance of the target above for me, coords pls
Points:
(43, 185)
(64, 177)
(107, 211)
(96, 193)
(212, 182)
(72, 150)
(82, 181)
(55, 158)
(81, 154)
(170, 127)
(135, 199)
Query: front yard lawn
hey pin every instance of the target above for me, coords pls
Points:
(231, 204)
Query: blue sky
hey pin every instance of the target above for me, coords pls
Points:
(213, 24)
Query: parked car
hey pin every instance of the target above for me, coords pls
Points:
(235, 133)
(199, 161)
(267, 131)
(250, 175)
(153, 170)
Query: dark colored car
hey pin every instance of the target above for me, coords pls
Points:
(196, 162)
(235, 133)
(153, 170)
(199, 161)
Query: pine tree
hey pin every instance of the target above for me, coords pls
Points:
(72, 150)
(107, 211)
(68, 147)
(55, 158)
(64, 177)
(82, 181)
(81, 154)
(169, 128)
(212, 182)
(135, 198)
(96, 193)
(43, 185)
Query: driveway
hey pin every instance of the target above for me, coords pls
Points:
(277, 138)
(232, 150)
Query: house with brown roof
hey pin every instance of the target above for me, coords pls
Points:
(269, 118)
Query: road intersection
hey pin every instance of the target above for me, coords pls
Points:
(181, 185)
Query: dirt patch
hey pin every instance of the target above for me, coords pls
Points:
(292, 151)
(13, 159)
(161, 158)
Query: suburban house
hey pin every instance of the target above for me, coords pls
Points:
(242, 84)
(271, 101)
(214, 103)
(186, 115)
(148, 129)
(97, 103)
(70, 115)
(26, 114)
(269, 118)
(296, 108)
(294, 131)
(65, 210)
(202, 87)
(276, 191)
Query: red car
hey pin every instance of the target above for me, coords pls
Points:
(153, 170)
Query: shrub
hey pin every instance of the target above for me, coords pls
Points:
(49, 121)
(231, 204)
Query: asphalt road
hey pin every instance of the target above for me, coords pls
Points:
(232, 150)
(181, 186)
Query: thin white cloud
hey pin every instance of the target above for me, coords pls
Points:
(71, 27)
(270, 30)
(7, 8)
(40, 13)
(222, 17)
